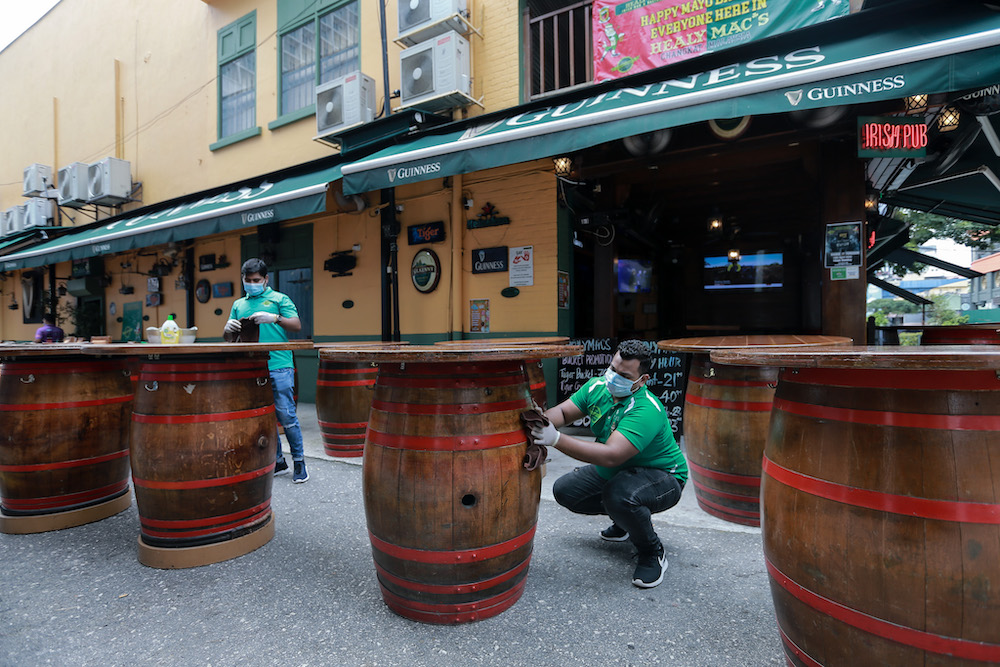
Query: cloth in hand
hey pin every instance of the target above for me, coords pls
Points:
(534, 455)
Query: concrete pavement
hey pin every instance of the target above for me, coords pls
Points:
(310, 597)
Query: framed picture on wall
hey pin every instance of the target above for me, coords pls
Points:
(222, 290)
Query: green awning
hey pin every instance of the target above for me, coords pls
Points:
(241, 208)
(867, 59)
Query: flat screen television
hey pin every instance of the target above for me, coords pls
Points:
(754, 271)
(635, 276)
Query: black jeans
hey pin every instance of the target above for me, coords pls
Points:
(630, 498)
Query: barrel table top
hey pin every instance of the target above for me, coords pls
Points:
(358, 343)
(709, 343)
(147, 349)
(927, 357)
(443, 354)
(504, 342)
(17, 350)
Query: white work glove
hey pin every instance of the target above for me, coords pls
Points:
(264, 318)
(546, 435)
(233, 326)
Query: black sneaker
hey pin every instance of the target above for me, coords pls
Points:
(280, 467)
(614, 533)
(649, 571)
(300, 475)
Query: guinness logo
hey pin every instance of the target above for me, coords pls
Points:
(392, 175)
(482, 256)
(794, 97)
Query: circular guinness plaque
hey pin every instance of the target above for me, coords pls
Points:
(425, 271)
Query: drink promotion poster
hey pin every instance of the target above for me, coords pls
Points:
(479, 315)
(843, 244)
(631, 36)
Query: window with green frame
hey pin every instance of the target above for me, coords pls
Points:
(238, 79)
(326, 32)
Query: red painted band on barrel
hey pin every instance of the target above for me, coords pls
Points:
(15, 368)
(345, 383)
(731, 478)
(347, 371)
(885, 418)
(75, 463)
(728, 511)
(799, 653)
(204, 483)
(491, 368)
(209, 367)
(455, 443)
(925, 508)
(344, 436)
(209, 526)
(927, 641)
(742, 406)
(417, 611)
(894, 379)
(447, 382)
(449, 557)
(451, 589)
(728, 383)
(343, 424)
(199, 523)
(113, 400)
(723, 494)
(456, 607)
(449, 408)
(202, 418)
(49, 502)
(250, 374)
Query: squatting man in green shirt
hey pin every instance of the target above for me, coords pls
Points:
(276, 314)
(636, 468)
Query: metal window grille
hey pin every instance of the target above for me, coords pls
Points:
(239, 99)
(298, 68)
(339, 49)
(560, 46)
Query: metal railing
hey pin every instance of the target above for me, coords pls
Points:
(559, 50)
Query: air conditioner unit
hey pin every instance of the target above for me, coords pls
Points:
(13, 221)
(37, 212)
(3, 223)
(73, 185)
(419, 20)
(109, 182)
(435, 73)
(345, 102)
(37, 179)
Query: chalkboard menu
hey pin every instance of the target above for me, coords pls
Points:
(667, 377)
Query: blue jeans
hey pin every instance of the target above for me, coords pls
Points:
(630, 498)
(283, 386)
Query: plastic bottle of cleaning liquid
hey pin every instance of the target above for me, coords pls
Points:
(170, 333)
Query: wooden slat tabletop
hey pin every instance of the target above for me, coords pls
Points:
(928, 357)
(708, 343)
(443, 354)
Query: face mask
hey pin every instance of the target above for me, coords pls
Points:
(254, 289)
(619, 385)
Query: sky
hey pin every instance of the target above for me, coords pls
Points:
(16, 16)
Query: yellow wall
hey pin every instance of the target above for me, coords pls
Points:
(137, 80)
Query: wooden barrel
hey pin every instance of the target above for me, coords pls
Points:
(343, 399)
(961, 335)
(64, 446)
(727, 410)
(451, 510)
(536, 382)
(881, 508)
(203, 443)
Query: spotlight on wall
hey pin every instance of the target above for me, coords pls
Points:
(715, 223)
(916, 104)
(948, 119)
(734, 256)
(61, 290)
(563, 165)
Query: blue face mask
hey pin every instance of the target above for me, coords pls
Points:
(619, 385)
(254, 289)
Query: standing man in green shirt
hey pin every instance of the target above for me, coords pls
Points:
(276, 314)
(636, 468)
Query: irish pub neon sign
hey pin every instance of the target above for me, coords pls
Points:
(891, 136)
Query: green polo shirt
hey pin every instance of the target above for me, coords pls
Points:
(269, 302)
(641, 418)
